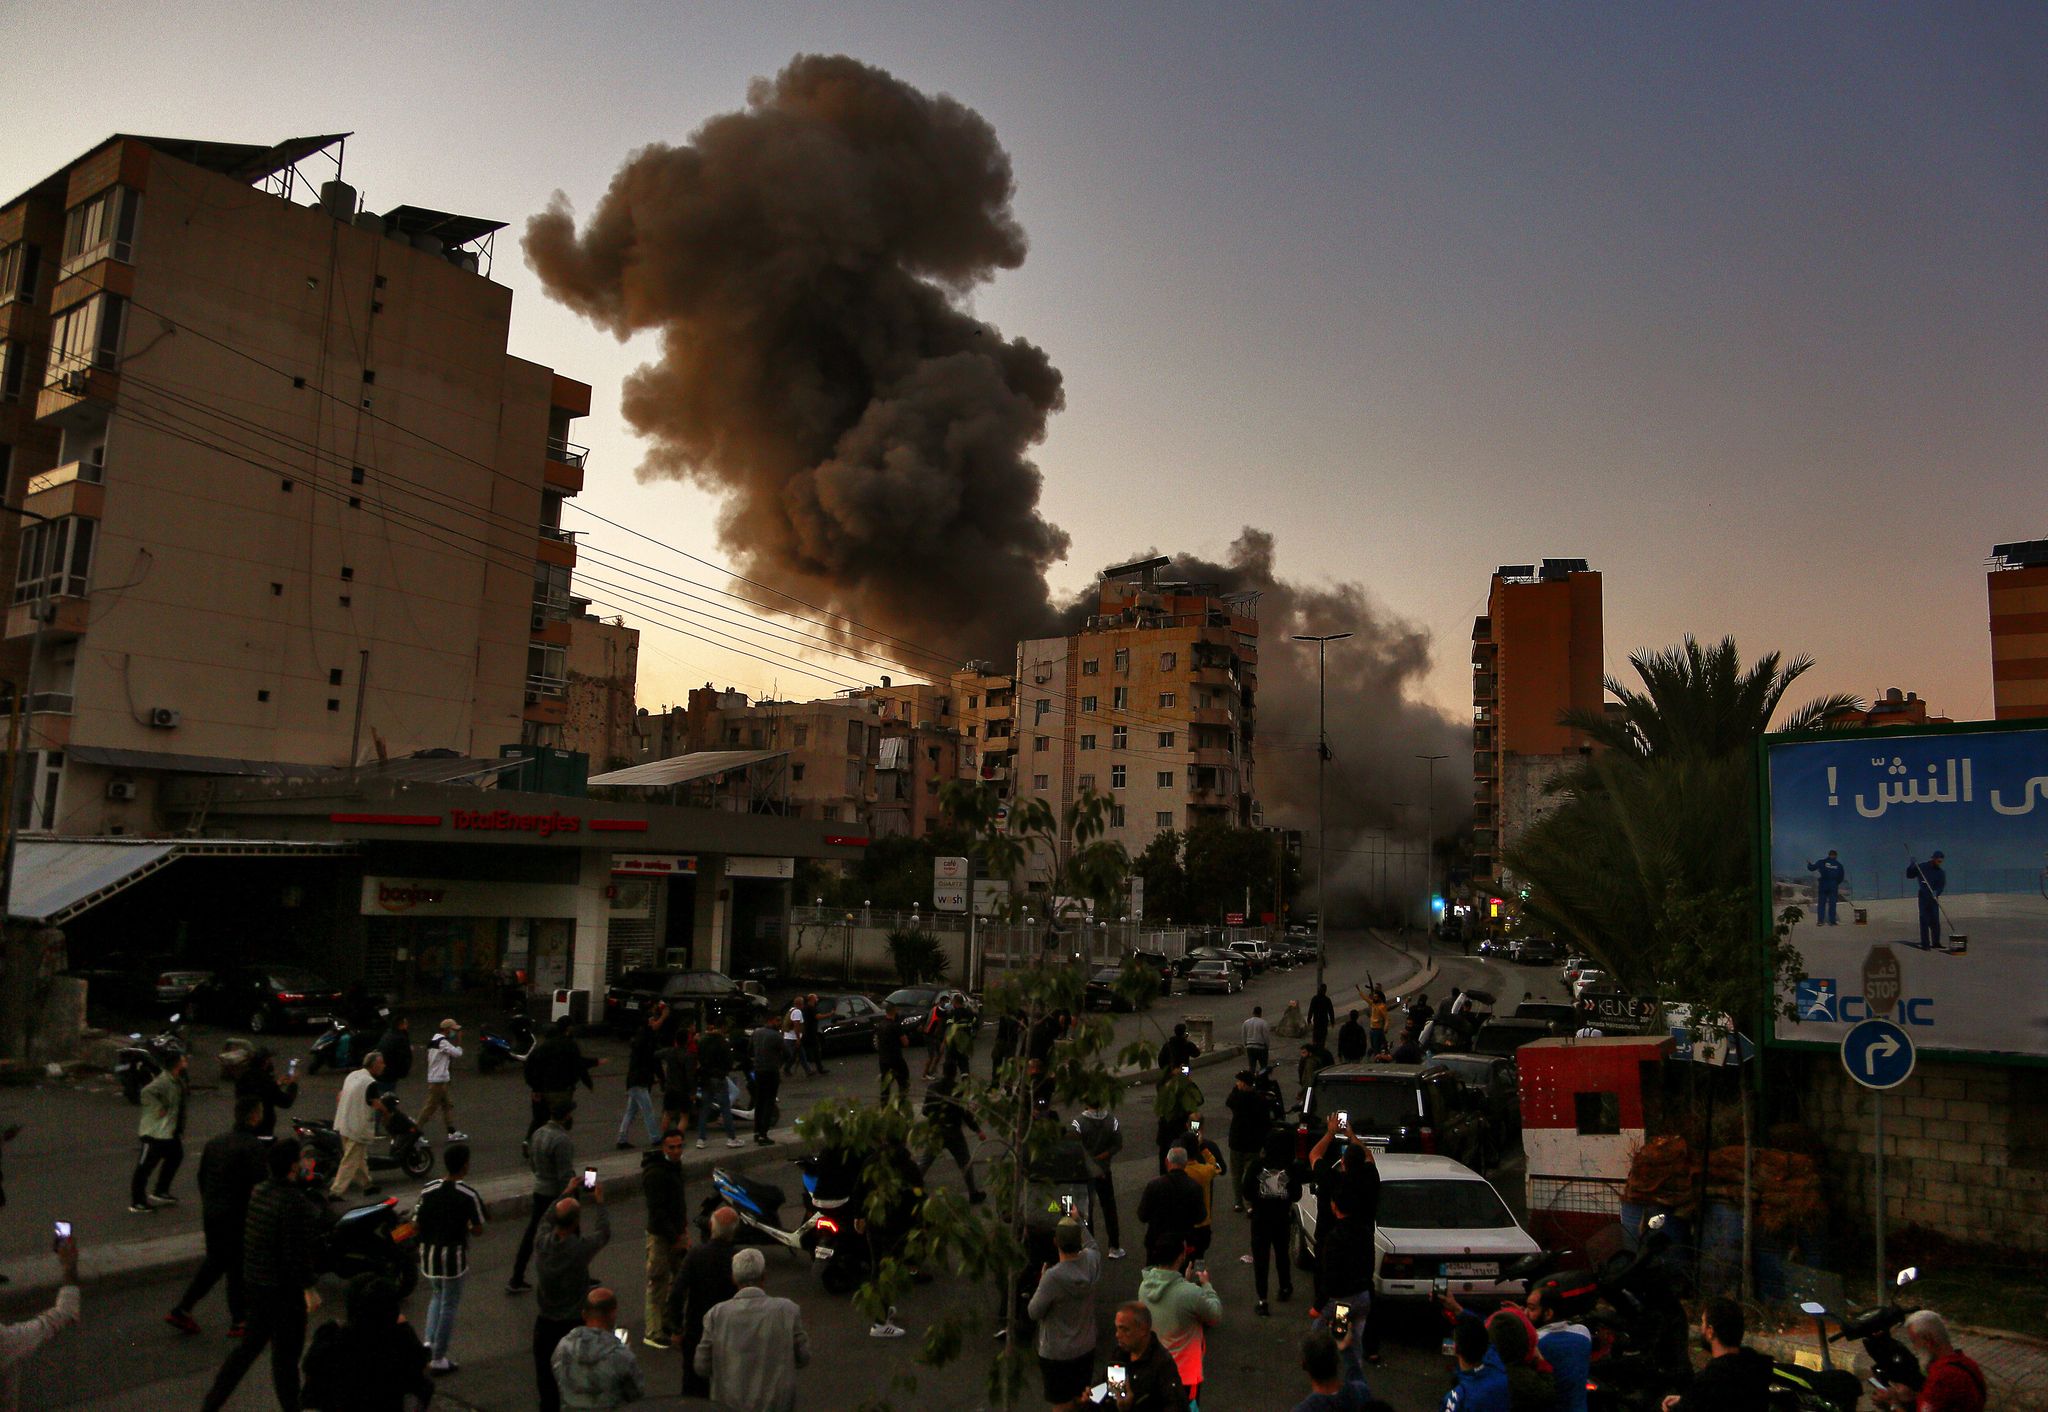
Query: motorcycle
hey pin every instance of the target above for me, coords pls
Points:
(371, 1240)
(341, 1047)
(141, 1060)
(759, 1204)
(1892, 1363)
(405, 1147)
(510, 1047)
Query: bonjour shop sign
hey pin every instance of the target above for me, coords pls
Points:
(552, 823)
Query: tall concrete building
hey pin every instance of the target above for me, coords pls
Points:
(1152, 703)
(288, 502)
(603, 665)
(1535, 655)
(2018, 589)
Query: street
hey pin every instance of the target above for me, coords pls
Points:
(1252, 1363)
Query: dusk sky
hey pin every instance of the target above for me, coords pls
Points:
(1746, 305)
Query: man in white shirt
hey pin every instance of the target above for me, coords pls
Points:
(442, 1050)
(18, 1341)
(355, 1125)
(1258, 1039)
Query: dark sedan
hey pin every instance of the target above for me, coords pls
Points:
(1101, 994)
(1219, 976)
(693, 996)
(265, 998)
(914, 1006)
(847, 1023)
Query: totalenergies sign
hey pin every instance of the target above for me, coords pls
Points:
(506, 821)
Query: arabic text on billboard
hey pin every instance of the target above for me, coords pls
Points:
(1921, 865)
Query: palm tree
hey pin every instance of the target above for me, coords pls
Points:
(1701, 702)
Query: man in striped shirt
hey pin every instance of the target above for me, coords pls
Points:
(449, 1213)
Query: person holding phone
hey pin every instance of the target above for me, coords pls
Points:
(1336, 1378)
(1347, 1183)
(1063, 1307)
(1184, 1307)
(594, 1365)
(563, 1257)
(259, 1080)
(1151, 1381)
(18, 1341)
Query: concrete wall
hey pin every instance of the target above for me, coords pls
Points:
(1965, 1150)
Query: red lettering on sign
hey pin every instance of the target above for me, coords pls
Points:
(404, 897)
(505, 821)
(618, 825)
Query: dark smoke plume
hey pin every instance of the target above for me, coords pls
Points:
(1376, 728)
(803, 261)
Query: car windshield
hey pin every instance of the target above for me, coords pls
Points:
(297, 980)
(1473, 1071)
(1442, 1206)
(1376, 1109)
(916, 996)
(1107, 973)
(1212, 967)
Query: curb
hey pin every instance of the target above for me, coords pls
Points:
(127, 1264)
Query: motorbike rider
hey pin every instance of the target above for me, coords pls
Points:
(1954, 1381)
(1735, 1379)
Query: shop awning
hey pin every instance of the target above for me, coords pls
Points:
(55, 879)
(681, 769)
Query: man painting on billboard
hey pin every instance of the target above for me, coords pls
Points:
(1933, 880)
(1828, 888)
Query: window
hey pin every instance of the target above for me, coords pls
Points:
(1041, 781)
(856, 737)
(974, 703)
(1166, 740)
(1163, 819)
(1041, 742)
(1039, 708)
(1120, 698)
(1090, 703)
(334, 676)
(86, 335)
(1116, 816)
(38, 806)
(1168, 661)
(796, 773)
(19, 265)
(967, 756)
(1164, 779)
(1084, 783)
(1598, 1113)
(973, 732)
(800, 735)
(1123, 659)
(1087, 742)
(853, 780)
(1116, 776)
(1166, 698)
(1119, 737)
(13, 371)
(99, 228)
(56, 559)
(547, 669)
(1091, 667)
(732, 735)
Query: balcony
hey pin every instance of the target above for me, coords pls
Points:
(1484, 765)
(563, 469)
(78, 396)
(546, 688)
(1485, 655)
(1482, 738)
(557, 547)
(1483, 687)
(66, 617)
(70, 489)
(1482, 629)
(552, 631)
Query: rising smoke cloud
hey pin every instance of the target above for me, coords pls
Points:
(804, 263)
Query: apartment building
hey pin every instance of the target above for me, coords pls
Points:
(834, 746)
(603, 665)
(1536, 654)
(984, 696)
(288, 502)
(2017, 586)
(1151, 703)
(918, 751)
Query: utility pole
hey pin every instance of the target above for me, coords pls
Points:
(1322, 815)
(1429, 856)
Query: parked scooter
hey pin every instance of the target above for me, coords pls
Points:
(1892, 1363)
(510, 1045)
(371, 1240)
(141, 1060)
(341, 1047)
(403, 1145)
(759, 1204)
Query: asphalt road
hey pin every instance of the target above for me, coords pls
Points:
(77, 1147)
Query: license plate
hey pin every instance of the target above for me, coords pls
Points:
(823, 1252)
(1471, 1269)
(632, 1005)
(402, 1231)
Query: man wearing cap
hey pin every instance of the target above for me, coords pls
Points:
(1933, 879)
(443, 1048)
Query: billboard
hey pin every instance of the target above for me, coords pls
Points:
(1920, 862)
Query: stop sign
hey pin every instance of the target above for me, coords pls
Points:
(1881, 980)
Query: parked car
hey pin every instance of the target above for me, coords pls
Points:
(265, 998)
(1294, 952)
(1498, 1083)
(914, 1005)
(137, 984)
(1158, 961)
(1437, 1219)
(1100, 991)
(1573, 965)
(1494, 946)
(1401, 1108)
(1217, 976)
(691, 995)
(1257, 955)
(847, 1023)
(1536, 951)
(1504, 1037)
(1218, 953)
(1590, 980)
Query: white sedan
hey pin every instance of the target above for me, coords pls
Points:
(1437, 1219)
(1588, 980)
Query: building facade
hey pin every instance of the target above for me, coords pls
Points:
(289, 503)
(603, 664)
(1537, 654)
(2017, 586)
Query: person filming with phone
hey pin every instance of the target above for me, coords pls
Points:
(563, 1257)
(1347, 1182)
(594, 1363)
(18, 1341)
(1146, 1378)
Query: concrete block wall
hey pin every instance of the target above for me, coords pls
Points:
(1965, 1146)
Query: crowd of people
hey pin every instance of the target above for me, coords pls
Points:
(264, 1202)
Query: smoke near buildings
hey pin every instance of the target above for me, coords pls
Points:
(804, 263)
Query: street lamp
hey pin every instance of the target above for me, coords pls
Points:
(1322, 821)
(1429, 853)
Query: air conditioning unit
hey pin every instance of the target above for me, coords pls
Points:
(74, 381)
(122, 790)
(164, 717)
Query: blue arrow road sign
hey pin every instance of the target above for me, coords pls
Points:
(1878, 1054)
